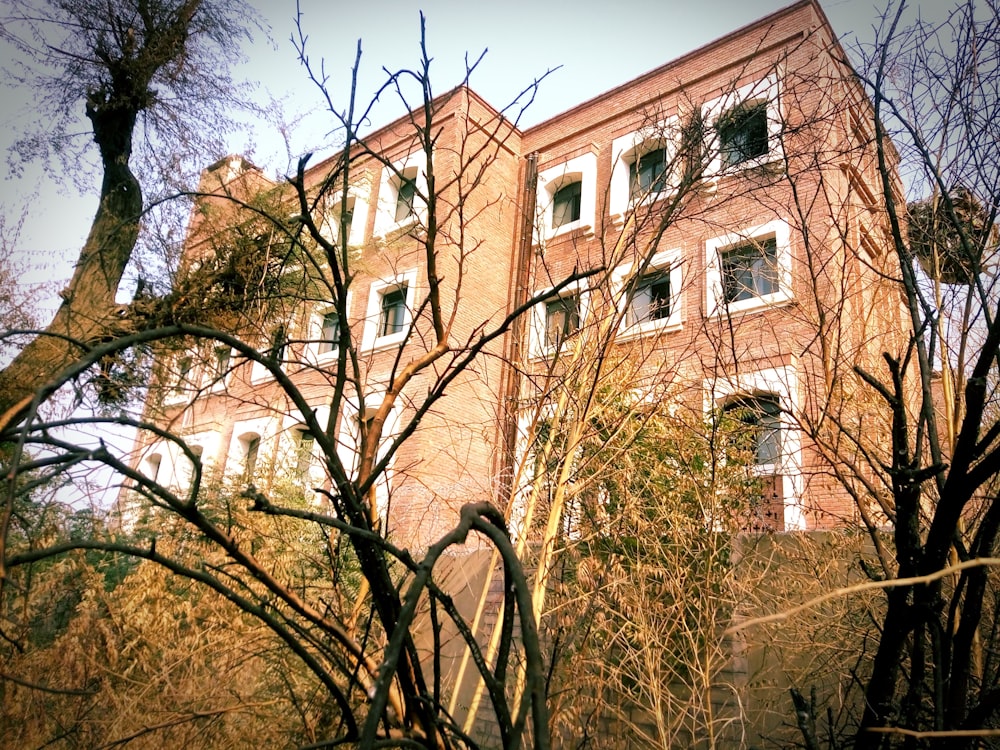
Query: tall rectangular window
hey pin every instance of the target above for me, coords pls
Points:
(750, 270)
(278, 343)
(329, 333)
(647, 174)
(393, 311)
(304, 456)
(566, 204)
(251, 449)
(562, 319)
(406, 194)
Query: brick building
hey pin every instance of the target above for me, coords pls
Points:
(726, 203)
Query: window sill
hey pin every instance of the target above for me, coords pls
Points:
(385, 342)
(649, 328)
(397, 228)
(573, 228)
(752, 305)
(771, 163)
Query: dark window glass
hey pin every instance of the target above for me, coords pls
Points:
(393, 318)
(405, 196)
(750, 270)
(647, 174)
(347, 217)
(743, 133)
(651, 299)
(566, 204)
(279, 340)
(562, 319)
(223, 355)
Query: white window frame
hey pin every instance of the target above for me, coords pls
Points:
(665, 260)
(259, 371)
(215, 380)
(293, 425)
(182, 388)
(388, 194)
(582, 169)
(539, 318)
(330, 227)
(315, 335)
(208, 441)
(370, 338)
(627, 149)
(717, 246)
(782, 383)
(263, 429)
(767, 89)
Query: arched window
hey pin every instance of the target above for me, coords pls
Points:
(250, 448)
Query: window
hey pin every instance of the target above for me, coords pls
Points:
(643, 165)
(399, 195)
(250, 445)
(566, 204)
(406, 192)
(343, 217)
(353, 212)
(651, 298)
(750, 270)
(222, 357)
(651, 302)
(562, 319)
(762, 415)
(393, 316)
(743, 133)
(647, 174)
(184, 366)
(151, 466)
(566, 199)
(388, 316)
(277, 343)
(329, 333)
(304, 456)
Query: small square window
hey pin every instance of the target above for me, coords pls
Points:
(329, 333)
(743, 133)
(651, 298)
(562, 319)
(406, 194)
(750, 270)
(392, 318)
(566, 204)
(647, 174)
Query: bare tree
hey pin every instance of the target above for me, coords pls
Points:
(909, 421)
(237, 327)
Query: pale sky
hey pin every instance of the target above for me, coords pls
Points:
(598, 45)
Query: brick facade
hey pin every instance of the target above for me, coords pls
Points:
(803, 182)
